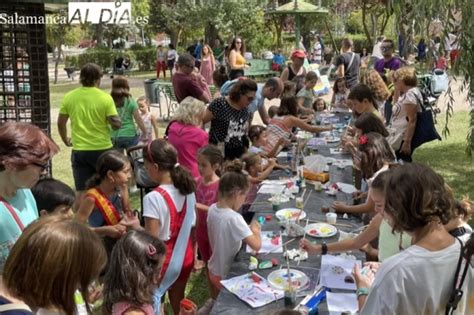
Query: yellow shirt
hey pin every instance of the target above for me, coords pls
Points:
(88, 109)
(239, 59)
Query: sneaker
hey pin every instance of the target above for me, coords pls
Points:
(206, 308)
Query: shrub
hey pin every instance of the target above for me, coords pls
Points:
(145, 58)
(104, 57)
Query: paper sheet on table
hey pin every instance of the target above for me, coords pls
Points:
(346, 188)
(335, 269)
(336, 150)
(341, 302)
(271, 189)
(255, 294)
(282, 154)
(267, 244)
(275, 181)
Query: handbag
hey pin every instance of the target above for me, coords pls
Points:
(425, 130)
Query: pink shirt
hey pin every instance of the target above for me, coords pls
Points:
(187, 139)
(207, 195)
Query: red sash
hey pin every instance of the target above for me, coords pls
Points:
(176, 220)
(106, 208)
(13, 213)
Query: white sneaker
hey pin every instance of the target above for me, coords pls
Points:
(206, 308)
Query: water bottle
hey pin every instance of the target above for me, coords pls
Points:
(289, 155)
(294, 159)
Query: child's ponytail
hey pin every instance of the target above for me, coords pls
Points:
(111, 160)
(162, 153)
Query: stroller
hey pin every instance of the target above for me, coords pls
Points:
(432, 85)
(120, 66)
(144, 182)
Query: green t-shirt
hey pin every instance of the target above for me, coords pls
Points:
(88, 109)
(125, 113)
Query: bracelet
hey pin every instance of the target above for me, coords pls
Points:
(362, 291)
(324, 249)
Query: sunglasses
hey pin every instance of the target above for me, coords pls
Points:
(43, 167)
(386, 48)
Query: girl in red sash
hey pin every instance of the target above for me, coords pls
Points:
(165, 210)
(102, 205)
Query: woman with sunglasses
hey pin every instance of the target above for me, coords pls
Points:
(237, 62)
(25, 151)
(229, 117)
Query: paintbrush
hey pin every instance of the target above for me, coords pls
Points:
(288, 268)
(304, 237)
(338, 224)
(276, 248)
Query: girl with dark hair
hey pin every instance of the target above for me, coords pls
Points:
(25, 151)
(169, 212)
(361, 100)
(103, 206)
(421, 277)
(133, 274)
(281, 125)
(237, 62)
(339, 96)
(229, 119)
(373, 156)
(126, 136)
(365, 123)
(227, 227)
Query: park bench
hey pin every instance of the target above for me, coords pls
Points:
(260, 68)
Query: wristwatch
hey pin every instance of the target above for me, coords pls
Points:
(324, 249)
(362, 291)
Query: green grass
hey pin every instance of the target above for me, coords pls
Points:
(447, 157)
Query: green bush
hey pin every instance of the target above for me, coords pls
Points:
(71, 62)
(103, 57)
(360, 41)
(145, 58)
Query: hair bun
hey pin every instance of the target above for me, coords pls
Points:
(234, 166)
(222, 70)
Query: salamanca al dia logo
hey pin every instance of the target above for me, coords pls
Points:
(80, 13)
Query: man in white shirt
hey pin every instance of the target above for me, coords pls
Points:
(377, 52)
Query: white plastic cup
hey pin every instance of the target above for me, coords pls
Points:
(331, 218)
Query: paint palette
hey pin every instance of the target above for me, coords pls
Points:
(321, 230)
(290, 214)
(278, 279)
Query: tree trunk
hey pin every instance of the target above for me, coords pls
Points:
(56, 64)
(364, 23)
(174, 36)
(211, 33)
(99, 34)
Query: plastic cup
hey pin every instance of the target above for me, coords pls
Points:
(331, 218)
(299, 202)
(318, 186)
(276, 203)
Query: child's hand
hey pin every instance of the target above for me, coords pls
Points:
(339, 206)
(255, 227)
(363, 281)
(359, 195)
(310, 247)
(272, 162)
(130, 221)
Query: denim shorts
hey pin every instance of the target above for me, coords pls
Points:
(123, 143)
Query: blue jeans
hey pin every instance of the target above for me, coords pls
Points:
(123, 143)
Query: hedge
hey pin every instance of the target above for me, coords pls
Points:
(143, 57)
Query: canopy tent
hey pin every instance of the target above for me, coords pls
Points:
(297, 9)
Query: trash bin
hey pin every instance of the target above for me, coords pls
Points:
(150, 91)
